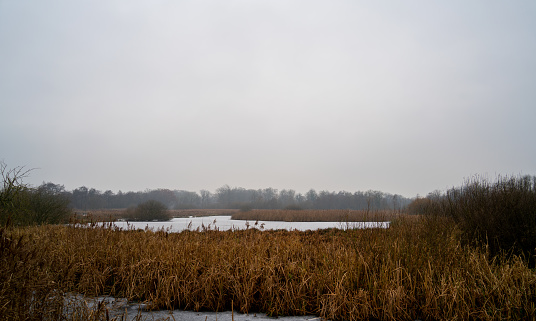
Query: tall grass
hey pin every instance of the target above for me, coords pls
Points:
(23, 205)
(317, 215)
(500, 215)
(112, 215)
(413, 270)
(504, 213)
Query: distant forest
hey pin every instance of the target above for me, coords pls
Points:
(84, 198)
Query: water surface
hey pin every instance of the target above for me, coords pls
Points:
(224, 223)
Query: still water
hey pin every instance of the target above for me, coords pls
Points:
(224, 223)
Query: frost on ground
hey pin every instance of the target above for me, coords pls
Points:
(121, 309)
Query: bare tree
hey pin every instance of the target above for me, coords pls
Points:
(12, 191)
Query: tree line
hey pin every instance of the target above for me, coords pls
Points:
(84, 198)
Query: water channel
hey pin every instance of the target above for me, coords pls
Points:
(224, 223)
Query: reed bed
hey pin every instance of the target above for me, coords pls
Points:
(202, 212)
(500, 214)
(412, 270)
(111, 215)
(318, 215)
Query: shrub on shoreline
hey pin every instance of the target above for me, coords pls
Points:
(499, 215)
(148, 211)
(502, 213)
(22, 205)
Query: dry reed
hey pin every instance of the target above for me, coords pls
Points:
(413, 270)
(111, 215)
(318, 215)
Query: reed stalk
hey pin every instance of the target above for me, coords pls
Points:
(416, 269)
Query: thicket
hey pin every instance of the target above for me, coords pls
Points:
(23, 205)
(150, 210)
(500, 215)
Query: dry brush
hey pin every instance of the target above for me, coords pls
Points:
(413, 270)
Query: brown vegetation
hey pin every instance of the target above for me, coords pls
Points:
(111, 215)
(202, 212)
(318, 215)
(413, 270)
(500, 215)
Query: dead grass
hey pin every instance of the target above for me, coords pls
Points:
(413, 270)
(318, 215)
(112, 215)
(202, 212)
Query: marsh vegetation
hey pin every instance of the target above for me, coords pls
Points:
(413, 270)
(318, 215)
(434, 266)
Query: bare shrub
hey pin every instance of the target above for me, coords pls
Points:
(22, 205)
(499, 215)
(148, 211)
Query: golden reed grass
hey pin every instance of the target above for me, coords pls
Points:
(108, 215)
(412, 270)
(318, 215)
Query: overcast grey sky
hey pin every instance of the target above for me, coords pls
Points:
(400, 96)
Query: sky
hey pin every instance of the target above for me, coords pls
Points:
(404, 97)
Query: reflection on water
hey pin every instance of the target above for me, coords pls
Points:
(224, 223)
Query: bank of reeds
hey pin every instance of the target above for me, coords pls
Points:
(412, 270)
(317, 215)
(112, 215)
(500, 215)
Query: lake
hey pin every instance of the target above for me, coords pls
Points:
(224, 223)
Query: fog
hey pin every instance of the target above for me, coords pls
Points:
(402, 97)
